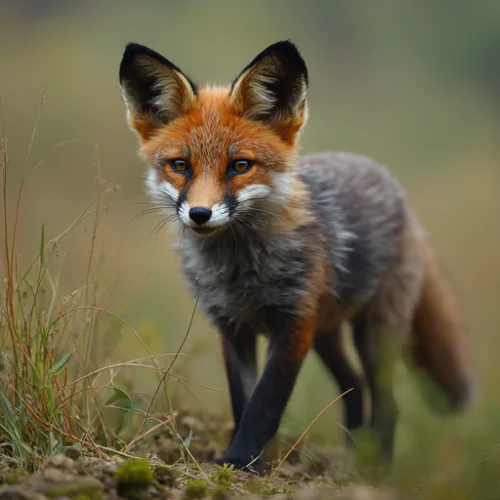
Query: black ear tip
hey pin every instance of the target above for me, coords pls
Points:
(134, 48)
(131, 49)
(284, 47)
(289, 51)
(128, 67)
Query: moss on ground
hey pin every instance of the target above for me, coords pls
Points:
(134, 478)
(197, 488)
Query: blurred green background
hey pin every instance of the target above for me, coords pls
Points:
(414, 84)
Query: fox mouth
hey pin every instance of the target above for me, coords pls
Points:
(204, 231)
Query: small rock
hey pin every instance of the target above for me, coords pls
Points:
(55, 483)
(109, 467)
(75, 486)
(55, 475)
(19, 493)
(60, 461)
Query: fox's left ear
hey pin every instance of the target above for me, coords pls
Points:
(273, 89)
(154, 89)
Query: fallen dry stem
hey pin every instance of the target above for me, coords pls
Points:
(306, 430)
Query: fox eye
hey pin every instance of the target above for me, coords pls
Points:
(181, 166)
(239, 167)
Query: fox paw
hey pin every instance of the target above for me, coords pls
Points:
(249, 465)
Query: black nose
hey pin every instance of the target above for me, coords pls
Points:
(200, 215)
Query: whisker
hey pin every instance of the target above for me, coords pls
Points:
(156, 210)
(261, 211)
(164, 222)
(155, 203)
(149, 211)
(243, 222)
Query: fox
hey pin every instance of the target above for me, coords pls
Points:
(272, 242)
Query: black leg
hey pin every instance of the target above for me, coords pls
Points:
(239, 346)
(240, 358)
(328, 346)
(378, 358)
(292, 339)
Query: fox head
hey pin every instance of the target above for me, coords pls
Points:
(219, 157)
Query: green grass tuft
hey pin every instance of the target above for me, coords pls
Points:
(61, 387)
(223, 476)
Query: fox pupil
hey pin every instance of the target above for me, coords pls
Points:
(241, 166)
(180, 165)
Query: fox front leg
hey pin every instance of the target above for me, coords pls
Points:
(240, 360)
(291, 339)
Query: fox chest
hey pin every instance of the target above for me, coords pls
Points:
(241, 286)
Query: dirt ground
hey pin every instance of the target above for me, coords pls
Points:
(167, 469)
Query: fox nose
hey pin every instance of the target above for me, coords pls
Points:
(200, 215)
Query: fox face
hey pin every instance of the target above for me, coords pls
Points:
(219, 157)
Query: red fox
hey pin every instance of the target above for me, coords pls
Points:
(291, 247)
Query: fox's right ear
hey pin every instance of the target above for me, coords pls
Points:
(154, 89)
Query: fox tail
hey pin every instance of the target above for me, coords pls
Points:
(439, 340)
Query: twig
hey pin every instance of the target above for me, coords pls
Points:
(309, 426)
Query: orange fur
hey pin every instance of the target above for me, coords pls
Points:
(216, 125)
(211, 135)
(302, 338)
(145, 129)
(439, 335)
(309, 307)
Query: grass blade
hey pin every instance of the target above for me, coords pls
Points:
(42, 246)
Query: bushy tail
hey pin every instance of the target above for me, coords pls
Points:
(439, 340)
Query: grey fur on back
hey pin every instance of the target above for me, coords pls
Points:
(360, 217)
(362, 209)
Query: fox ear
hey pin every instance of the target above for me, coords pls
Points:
(273, 89)
(154, 89)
